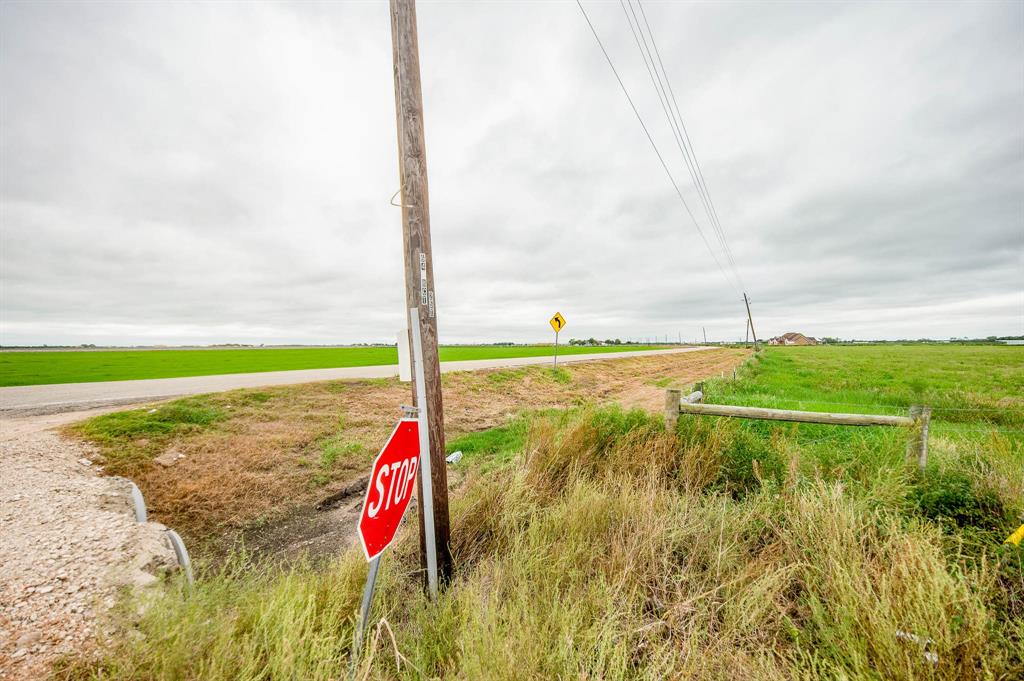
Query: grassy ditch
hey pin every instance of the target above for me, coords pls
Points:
(591, 543)
(250, 458)
(611, 548)
(976, 442)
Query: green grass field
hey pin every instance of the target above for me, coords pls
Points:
(40, 368)
(592, 543)
(966, 384)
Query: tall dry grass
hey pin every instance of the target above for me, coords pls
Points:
(612, 549)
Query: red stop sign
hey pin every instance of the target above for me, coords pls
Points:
(392, 480)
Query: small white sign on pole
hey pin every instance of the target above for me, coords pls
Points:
(404, 362)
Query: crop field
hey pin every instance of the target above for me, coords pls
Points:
(591, 542)
(80, 366)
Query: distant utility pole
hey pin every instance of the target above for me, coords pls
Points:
(419, 269)
(746, 301)
(705, 331)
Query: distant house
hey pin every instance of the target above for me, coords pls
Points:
(792, 338)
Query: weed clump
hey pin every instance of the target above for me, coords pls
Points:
(956, 501)
(494, 447)
(130, 439)
(162, 420)
(334, 448)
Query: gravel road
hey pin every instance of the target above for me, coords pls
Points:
(68, 542)
(46, 399)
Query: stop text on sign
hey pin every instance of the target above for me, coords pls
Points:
(398, 478)
(392, 479)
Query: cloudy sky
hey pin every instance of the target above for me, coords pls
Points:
(217, 172)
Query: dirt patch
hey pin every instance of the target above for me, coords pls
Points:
(260, 472)
(313, 532)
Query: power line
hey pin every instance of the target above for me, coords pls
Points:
(670, 105)
(659, 88)
(654, 145)
(693, 152)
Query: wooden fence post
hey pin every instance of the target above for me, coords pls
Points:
(922, 454)
(918, 445)
(672, 398)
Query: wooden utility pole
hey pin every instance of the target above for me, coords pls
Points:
(419, 270)
(750, 320)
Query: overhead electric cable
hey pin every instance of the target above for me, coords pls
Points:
(674, 126)
(653, 144)
(659, 79)
(693, 151)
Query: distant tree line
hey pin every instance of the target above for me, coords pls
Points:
(594, 341)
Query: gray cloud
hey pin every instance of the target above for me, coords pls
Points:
(216, 172)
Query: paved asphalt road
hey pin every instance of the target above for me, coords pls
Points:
(25, 400)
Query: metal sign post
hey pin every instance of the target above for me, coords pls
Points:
(426, 482)
(388, 493)
(364, 609)
(557, 323)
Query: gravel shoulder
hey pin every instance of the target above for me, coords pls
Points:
(68, 542)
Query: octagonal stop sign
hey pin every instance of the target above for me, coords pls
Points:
(392, 480)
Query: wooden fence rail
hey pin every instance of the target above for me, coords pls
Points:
(917, 421)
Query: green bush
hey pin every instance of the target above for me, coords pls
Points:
(954, 500)
(749, 460)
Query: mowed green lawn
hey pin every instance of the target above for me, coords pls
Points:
(40, 368)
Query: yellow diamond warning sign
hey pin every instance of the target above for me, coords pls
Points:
(557, 322)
